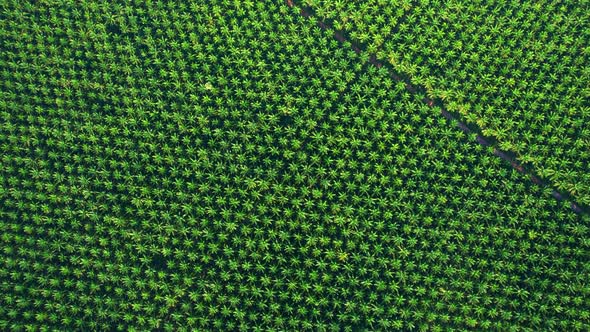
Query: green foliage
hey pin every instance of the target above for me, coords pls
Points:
(227, 165)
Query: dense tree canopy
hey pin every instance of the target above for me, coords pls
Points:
(228, 165)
